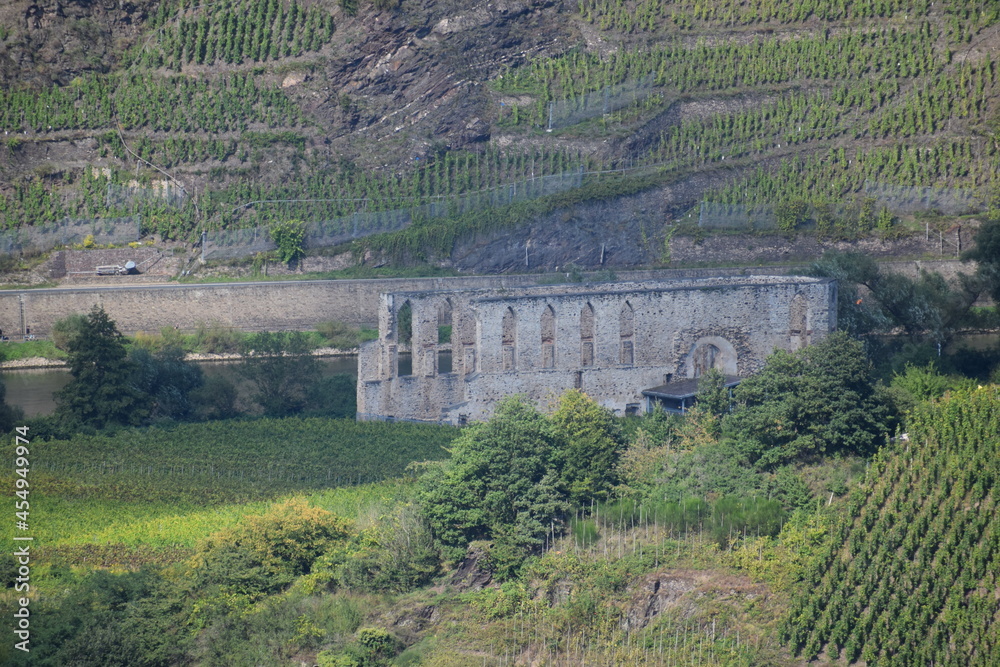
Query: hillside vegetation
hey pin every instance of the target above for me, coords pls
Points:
(214, 115)
(775, 525)
(910, 576)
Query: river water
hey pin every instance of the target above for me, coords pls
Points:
(32, 390)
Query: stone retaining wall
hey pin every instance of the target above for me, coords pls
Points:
(281, 305)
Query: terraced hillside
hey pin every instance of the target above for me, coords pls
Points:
(910, 574)
(227, 114)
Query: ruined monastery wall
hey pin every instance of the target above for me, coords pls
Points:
(612, 340)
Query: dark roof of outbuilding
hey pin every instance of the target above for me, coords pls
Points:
(684, 388)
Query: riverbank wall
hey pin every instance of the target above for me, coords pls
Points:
(289, 305)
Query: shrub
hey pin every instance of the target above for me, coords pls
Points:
(216, 338)
(66, 329)
(290, 236)
(343, 336)
(265, 552)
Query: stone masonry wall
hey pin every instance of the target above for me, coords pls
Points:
(251, 306)
(248, 306)
(274, 305)
(611, 340)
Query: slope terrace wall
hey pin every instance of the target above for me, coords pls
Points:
(263, 306)
(286, 305)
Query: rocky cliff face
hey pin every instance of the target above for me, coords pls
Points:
(53, 41)
(391, 86)
(417, 77)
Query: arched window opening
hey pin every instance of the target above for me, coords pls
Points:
(626, 327)
(509, 340)
(705, 358)
(548, 337)
(587, 336)
(711, 352)
(445, 330)
(404, 336)
(797, 332)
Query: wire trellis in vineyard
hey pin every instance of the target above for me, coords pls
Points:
(71, 231)
(910, 199)
(232, 243)
(134, 194)
(229, 244)
(716, 215)
(563, 113)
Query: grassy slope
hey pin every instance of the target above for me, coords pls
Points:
(634, 595)
(597, 602)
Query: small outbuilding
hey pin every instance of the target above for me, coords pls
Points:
(680, 395)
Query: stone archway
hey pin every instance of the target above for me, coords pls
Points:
(710, 352)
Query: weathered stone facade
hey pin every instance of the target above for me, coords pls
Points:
(612, 340)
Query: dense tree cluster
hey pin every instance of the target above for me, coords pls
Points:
(514, 478)
(875, 301)
(987, 252)
(819, 401)
(103, 390)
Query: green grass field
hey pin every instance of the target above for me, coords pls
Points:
(149, 495)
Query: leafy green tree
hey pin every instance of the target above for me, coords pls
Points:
(396, 554)
(856, 314)
(334, 396)
(66, 329)
(819, 400)
(715, 468)
(10, 415)
(290, 235)
(916, 384)
(107, 619)
(103, 389)
(215, 399)
(512, 479)
(278, 546)
(282, 368)
(987, 253)
(591, 446)
(167, 379)
(713, 395)
(502, 483)
(874, 301)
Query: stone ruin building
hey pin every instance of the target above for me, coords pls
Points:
(470, 348)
